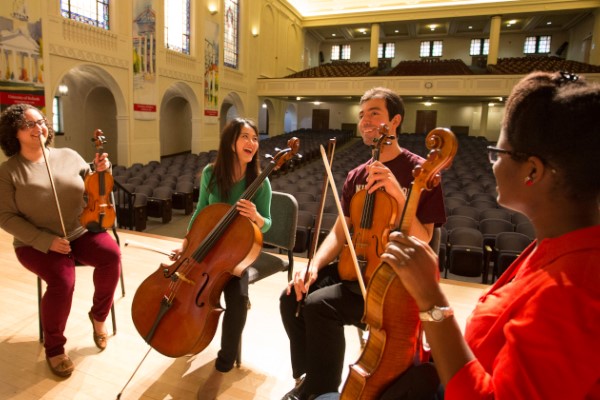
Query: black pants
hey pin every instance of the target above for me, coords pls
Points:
(234, 320)
(317, 343)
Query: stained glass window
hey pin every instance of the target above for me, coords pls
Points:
(231, 32)
(92, 12)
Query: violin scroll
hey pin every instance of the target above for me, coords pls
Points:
(284, 155)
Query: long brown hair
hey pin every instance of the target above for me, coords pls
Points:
(223, 167)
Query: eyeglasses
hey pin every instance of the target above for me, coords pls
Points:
(31, 124)
(494, 151)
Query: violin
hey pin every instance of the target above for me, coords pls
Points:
(99, 213)
(372, 226)
(390, 312)
(176, 309)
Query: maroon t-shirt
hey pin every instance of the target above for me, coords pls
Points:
(431, 204)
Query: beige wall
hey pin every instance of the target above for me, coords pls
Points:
(97, 66)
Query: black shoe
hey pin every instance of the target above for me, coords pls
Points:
(296, 392)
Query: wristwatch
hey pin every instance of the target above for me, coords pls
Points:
(436, 314)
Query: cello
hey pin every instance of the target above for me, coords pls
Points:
(176, 309)
(99, 213)
(390, 312)
(370, 234)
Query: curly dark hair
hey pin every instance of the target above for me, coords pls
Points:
(223, 166)
(11, 120)
(554, 117)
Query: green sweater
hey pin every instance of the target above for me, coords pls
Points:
(27, 205)
(262, 198)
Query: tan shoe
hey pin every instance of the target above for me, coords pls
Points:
(101, 339)
(211, 386)
(61, 365)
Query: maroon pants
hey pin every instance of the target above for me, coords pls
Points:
(98, 250)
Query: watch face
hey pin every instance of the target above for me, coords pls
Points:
(437, 315)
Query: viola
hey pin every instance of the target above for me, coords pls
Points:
(99, 213)
(176, 309)
(372, 225)
(390, 312)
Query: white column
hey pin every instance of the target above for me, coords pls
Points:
(374, 62)
(485, 109)
(494, 39)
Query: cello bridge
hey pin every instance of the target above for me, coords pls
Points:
(184, 278)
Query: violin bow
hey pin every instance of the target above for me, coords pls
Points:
(342, 218)
(315, 239)
(60, 217)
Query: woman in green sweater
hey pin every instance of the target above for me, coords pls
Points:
(224, 181)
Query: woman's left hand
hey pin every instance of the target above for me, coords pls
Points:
(416, 264)
(248, 209)
(101, 162)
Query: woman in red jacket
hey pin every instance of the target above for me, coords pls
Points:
(536, 333)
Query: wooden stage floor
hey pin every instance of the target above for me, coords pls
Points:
(265, 372)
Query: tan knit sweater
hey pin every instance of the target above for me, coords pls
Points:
(27, 206)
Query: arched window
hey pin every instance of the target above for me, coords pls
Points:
(231, 31)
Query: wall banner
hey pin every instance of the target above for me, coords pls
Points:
(21, 61)
(144, 60)
(211, 70)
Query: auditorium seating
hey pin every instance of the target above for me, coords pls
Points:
(525, 65)
(430, 66)
(336, 70)
(442, 67)
(469, 185)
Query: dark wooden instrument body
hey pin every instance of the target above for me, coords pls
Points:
(372, 226)
(177, 308)
(191, 321)
(390, 312)
(99, 213)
